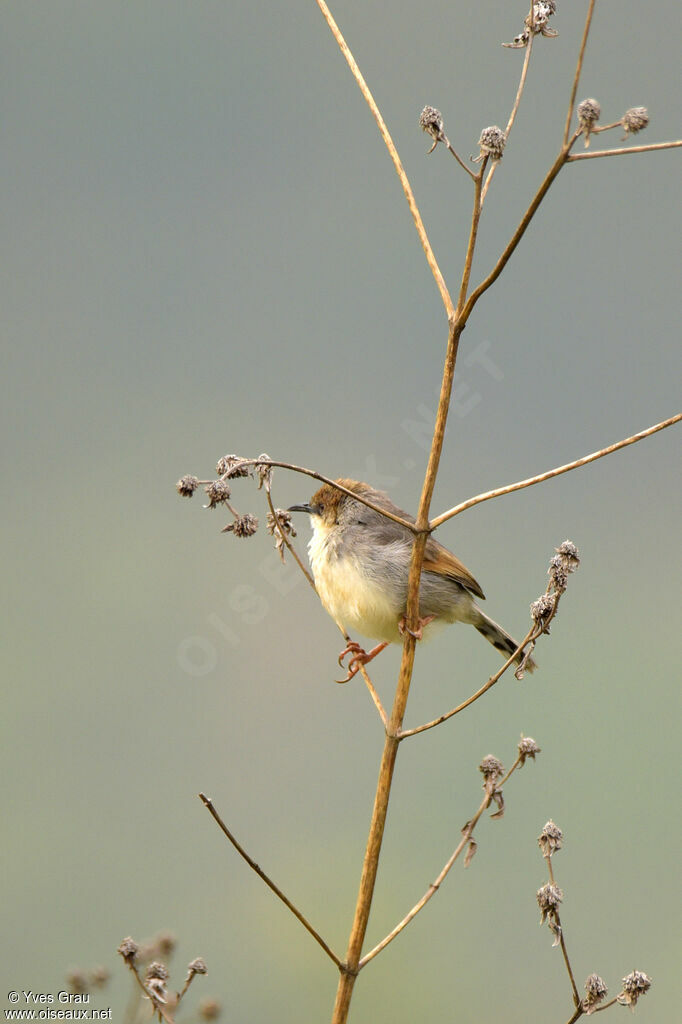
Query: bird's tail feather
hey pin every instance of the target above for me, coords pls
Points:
(496, 636)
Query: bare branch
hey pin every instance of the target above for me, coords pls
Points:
(578, 71)
(541, 477)
(530, 635)
(650, 148)
(268, 881)
(517, 101)
(397, 163)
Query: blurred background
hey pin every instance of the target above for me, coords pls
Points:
(207, 251)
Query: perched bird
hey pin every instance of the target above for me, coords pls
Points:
(361, 560)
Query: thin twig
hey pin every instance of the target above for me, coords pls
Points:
(268, 881)
(530, 481)
(473, 234)
(475, 696)
(562, 943)
(467, 833)
(578, 70)
(397, 163)
(432, 889)
(518, 234)
(325, 480)
(517, 101)
(446, 142)
(287, 542)
(593, 154)
(158, 1008)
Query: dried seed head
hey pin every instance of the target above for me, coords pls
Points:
(198, 966)
(232, 465)
(558, 573)
(99, 976)
(492, 143)
(209, 1009)
(157, 989)
(431, 121)
(596, 993)
(217, 492)
(279, 528)
(635, 985)
(243, 526)
(635, 120)
(589, 112)
(542, 609)
(263, 472)
(549, 897)
(186, 486)
(527, 748)
(128, 949)
(77, 980)
(568, 553)
(491, 767)
(550, 839)
(157, 970)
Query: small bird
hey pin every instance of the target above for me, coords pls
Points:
(361, 560)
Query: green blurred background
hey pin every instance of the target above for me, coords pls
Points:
(207, 251)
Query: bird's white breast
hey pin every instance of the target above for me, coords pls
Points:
(350, 596)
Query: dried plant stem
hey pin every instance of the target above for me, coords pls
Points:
(541, 477)
(268, 881)
(432, 889)
(158, 1008)
(325, 480)
(578, 71)
(467, 833)
(518, 234)
(397, 163)
(371, 860)
(473, 234)
(532, 634)
(595, 153)
(517, 102)
(562, 943)
(448, 144)
(287, 542)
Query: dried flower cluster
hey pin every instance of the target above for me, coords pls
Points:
(538, 25)
(635, 984)
(589, 112)
(549, 897)
(153, 975)
(527, 747)
(280, 526)
(431, 121)
(596, 993)
(635, 120)
(493, 770)
(491, 143)
(550, 839)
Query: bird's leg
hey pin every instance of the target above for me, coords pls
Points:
(360, 657)
(419, 631)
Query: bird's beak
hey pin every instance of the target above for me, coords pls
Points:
(310, 509)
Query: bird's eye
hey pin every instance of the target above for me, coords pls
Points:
(320, 509)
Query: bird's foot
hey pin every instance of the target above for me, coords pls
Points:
(419, 631)
(360, 657)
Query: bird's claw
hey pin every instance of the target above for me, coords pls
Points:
(360, 657)
(419, 631)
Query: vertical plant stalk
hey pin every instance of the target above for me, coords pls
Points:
(351, 967)
(393, 152)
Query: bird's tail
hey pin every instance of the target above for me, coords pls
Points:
(496, 636)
